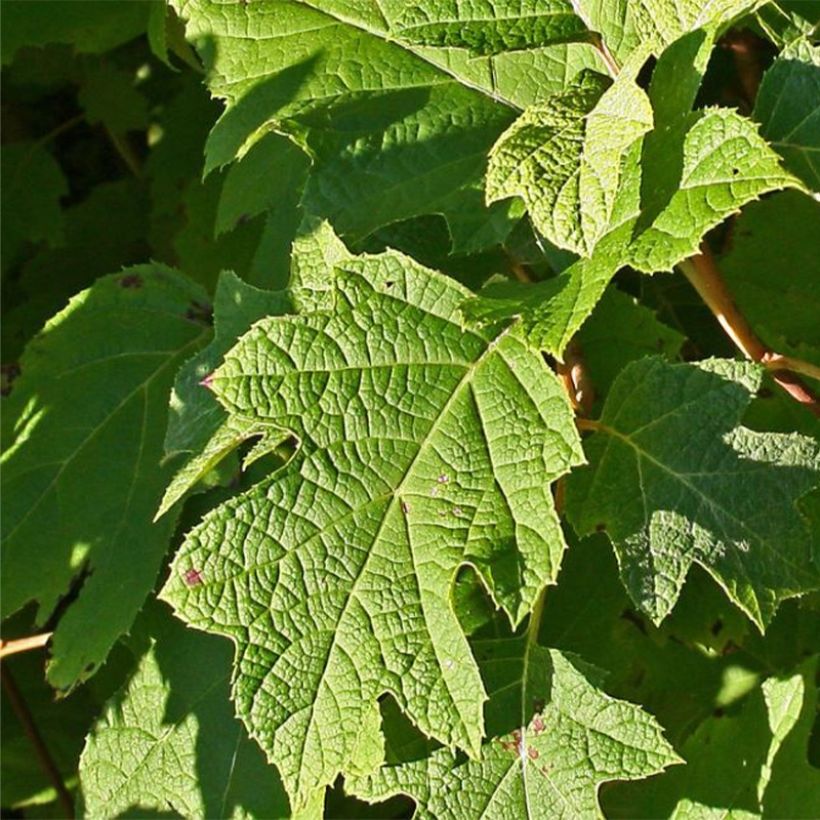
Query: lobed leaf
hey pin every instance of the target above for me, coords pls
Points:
(675, 480)
(424, 446)
(557, 738)
(94, 383)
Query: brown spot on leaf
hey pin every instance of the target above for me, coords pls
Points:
(8, 373)
(533, 753)
(131, 280)
(200, 312)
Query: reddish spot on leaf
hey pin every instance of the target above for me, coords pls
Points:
(131, 280)
(193, 577)
(533, 753)
(207, 381)
(443, 478)
(538, 726)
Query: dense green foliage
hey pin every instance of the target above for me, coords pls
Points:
(401, 342)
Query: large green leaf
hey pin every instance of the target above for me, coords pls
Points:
(82, 434)
(554, 738)
(788, 108)
(423, 446)
(395, 126)
(675, 480)
(168, 741)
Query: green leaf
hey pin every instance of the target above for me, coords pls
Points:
(564, 158)
(32, 186)
(489, 28)
(748, 765)
(169, 741)
(89, 26)
(416, 123)
(788, 108)
(771, 268)
(82, 435)
(423, 447)
(556, 738)
(689, 485)
(110, 97)
(619, 331)
(719, 165)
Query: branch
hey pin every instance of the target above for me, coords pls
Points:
(703, 274)
(574, 375)
(23, 644)
(20, 707)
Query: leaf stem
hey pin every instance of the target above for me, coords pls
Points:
(23, 644)
(587, 424)
(704, 275)
(20, 707)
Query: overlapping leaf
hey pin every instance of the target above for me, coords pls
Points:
(94, 385)
(556, 737)
(564, 158)
(395, 127)
(423, 446)
(751, 764)
(675, 480)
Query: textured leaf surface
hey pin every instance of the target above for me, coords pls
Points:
(485, 27)
(93, 383)
(748, 765)
(557, 737)
(626, 24)
(377, 113)
(788, 108)
(564, 158)
(169, 741)
(675, 480)
(423, 446)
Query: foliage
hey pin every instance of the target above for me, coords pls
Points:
(401, 344)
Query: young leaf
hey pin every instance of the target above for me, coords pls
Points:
(169, 741)
(81, 468)
(788, 109)
(423, 446)
(690, 483)
(557, 738)
(564, 158)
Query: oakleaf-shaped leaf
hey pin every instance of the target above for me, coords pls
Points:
(169, 740)
(82, 477)
(559, 737)
(675, 480)
(395, 128)
(564, 158)
(423, 446)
